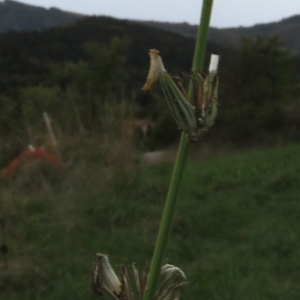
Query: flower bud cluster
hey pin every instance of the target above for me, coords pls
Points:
(196, 115)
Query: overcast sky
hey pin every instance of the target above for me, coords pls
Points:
(226, 13)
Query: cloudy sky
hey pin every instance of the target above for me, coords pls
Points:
(226, 13)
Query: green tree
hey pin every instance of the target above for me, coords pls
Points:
(107, 66)
(264, 69)
(100, 76)
(262, 77)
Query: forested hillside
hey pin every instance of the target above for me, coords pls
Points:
(22, 17)
(28, 55)
(97, 58)
(17, 16)
(287, 30)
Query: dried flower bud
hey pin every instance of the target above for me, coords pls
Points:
(122, 287)
(156, 68)
(170, 270)
(102, 266)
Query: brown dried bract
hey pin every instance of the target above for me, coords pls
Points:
(156, 67)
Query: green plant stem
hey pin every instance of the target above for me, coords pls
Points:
(184, 147)
(200, 47)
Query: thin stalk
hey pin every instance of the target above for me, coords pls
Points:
(183, 150)
(200, 48)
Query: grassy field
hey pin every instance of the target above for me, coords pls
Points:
(235, 235)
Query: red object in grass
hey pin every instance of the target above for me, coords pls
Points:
(38, 153)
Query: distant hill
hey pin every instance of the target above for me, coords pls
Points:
(25, 56)
(17, 16)
(288, 30)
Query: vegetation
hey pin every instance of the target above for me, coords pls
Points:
(261, 99)
(235, 233)
(76, 68)
(236, 227)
